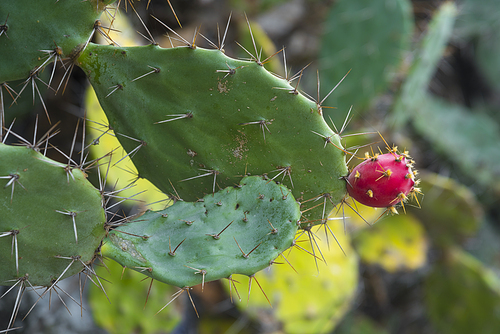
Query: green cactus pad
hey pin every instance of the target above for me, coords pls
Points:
(238, 230)
(34, 26)
(37, 199)
(360, 39)
(201, 120)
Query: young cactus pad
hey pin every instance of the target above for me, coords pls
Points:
(51, 221)
(195, 121)
(237, 230)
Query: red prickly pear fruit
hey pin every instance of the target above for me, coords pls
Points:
(382, 181)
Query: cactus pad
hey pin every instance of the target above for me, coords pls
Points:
(195, 121)
(52, 219)
(238, 230)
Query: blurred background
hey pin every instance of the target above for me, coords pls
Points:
(422, 74)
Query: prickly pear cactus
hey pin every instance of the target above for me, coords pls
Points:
(238, 230)
(195, 121)
(245, 157)
(52, 219)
